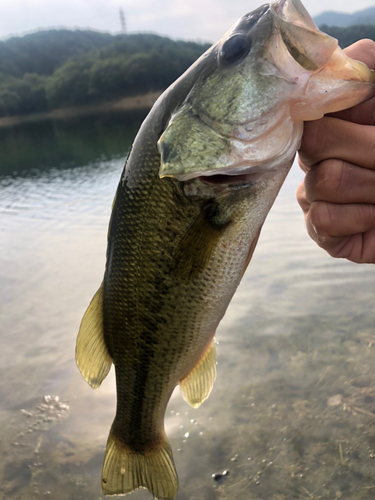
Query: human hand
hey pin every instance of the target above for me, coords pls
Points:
(338, 194)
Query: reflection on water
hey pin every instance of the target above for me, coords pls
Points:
(292, 414)
(39, 146)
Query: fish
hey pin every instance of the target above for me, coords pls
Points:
(199, 181)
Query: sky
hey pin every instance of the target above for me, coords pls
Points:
(203, 20)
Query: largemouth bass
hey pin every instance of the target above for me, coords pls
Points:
(203, 172)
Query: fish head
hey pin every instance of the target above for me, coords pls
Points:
(252, 91)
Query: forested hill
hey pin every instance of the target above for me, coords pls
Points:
(59, 68)
(44, 51)
(341, 19)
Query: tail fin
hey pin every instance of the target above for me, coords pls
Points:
(125, 471)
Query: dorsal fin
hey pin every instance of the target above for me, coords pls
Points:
(197, 386)
(92, 356)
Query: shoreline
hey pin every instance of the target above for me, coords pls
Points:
(145, 101)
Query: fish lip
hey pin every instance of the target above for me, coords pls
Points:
(229, 181)
(235, 176)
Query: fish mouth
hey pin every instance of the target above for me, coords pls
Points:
(236, 180)
(225, 180)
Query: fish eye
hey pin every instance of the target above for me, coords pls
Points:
(234, 48)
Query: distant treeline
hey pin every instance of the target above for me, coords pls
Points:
(350, 34)
(60, 68)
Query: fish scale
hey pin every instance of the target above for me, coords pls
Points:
(158, 319)
(201, 177)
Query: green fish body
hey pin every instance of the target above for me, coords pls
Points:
(203, 172)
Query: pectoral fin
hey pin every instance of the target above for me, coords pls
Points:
(195, 249)
(197, 386)
(92, 357)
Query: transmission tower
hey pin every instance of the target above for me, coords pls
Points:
(122, 21)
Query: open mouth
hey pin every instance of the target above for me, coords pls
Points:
(245, 179)
(228, 180)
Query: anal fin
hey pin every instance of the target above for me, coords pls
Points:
(92, 357)
(197, 386)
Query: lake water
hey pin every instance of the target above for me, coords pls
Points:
(292, 413)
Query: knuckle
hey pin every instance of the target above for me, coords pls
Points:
(337, 253)
(363, 50)
(366, 215)
(321, 218)
(365, 45)
(301, 197)
(340, 176)
(302, 165)
(330, 179)
(313, 142)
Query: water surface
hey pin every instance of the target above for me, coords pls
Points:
(292, 413)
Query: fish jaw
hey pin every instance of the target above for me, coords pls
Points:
(340, 84)
(249, 115)
(332, 81)
(310, 47)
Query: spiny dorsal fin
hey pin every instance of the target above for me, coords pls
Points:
(92, 357)
(125, 470)
(197, 386)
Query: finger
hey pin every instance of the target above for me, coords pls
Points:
(302, 198)
(329, 220)
(337, 181)
(364, 51)
(363, 113)
(335, 138)
(311, 144)
(357, 246)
